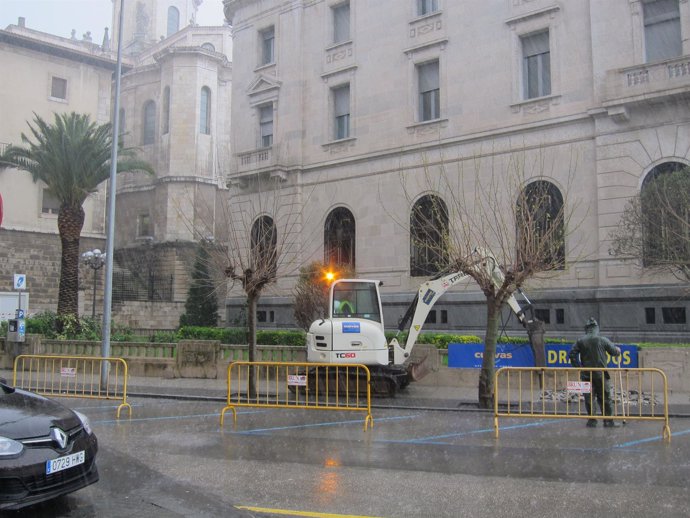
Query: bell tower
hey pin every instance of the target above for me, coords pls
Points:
(146, 22)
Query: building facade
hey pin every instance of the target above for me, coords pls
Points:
(171, 67)
(361, 111)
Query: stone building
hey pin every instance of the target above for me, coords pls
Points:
(174, 107)
(360, 111)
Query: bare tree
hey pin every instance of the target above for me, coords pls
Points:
(312, 291)
(655, 225)
(507, 204)
(259, 222)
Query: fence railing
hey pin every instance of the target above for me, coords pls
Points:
(283, 353)
(539, 392)
(73, 376)
(308, 386)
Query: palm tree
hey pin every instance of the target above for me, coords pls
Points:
(72, 157)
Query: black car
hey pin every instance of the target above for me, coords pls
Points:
(46, 449)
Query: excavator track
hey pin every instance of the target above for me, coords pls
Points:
(385, 381)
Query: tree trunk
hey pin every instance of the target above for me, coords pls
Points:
(486, 375)
(252, 301)
(70, 223)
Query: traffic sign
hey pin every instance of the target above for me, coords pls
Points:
(19, 313)
(19, 281)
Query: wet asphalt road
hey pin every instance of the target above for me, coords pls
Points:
(172, 458)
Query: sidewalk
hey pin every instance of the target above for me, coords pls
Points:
(416, 395)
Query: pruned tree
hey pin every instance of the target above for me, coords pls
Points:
(504, 208)
(258, 222)
(655, 225)
(312, 291)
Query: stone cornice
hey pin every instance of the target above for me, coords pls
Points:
(43, 47)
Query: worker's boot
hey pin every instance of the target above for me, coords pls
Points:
(591, 423)
(610, 423)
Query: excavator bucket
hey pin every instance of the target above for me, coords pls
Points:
(416, 371)
(424, 360)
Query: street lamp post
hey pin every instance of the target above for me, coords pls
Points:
(94, 259)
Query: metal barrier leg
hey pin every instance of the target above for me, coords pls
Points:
(234, 415)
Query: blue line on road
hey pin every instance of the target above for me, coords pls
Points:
(316, 425)
(167, 418)
(434, 438)
(649, 439)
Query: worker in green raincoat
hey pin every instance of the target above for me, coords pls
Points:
(590, 351)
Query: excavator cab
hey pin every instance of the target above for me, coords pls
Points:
(354, 331)
(355, 299)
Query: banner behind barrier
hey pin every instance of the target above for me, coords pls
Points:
(469, 356)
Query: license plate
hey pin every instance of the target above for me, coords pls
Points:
(63, 463)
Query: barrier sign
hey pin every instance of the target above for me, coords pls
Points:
(579, 387)
(297, 380)
(68, 372)
(469, 356)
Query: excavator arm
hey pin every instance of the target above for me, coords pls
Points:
(431, 291)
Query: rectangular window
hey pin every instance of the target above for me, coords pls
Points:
(673, 315)
(50, 204)
(58, 88)
(650, 315)
(341, 110)
(429, 91)
(536, 61)
(261, 316)
(271, 316)
(266, 125)
(444, 316)
(143, 225)
(426, 7)
(267, 38)
(662, 36)
(560, 316)
(431, 317)
(341, 23)
(543, 314)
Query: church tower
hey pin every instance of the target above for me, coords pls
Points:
(146, 22)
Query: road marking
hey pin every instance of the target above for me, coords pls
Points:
(433, 438)
(316, 425)
(649, 439)
(287, 512)
(164, 418)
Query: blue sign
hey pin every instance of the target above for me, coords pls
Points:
(350, 327)
(470, 356)
(19, 313)
(21, 327)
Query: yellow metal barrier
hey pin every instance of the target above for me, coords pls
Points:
(560, 392)
(73, 376)
(312, 386)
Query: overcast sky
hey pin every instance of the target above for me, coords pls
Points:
(59, 17)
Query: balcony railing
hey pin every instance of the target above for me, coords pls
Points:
(254, 160)
(647, 81)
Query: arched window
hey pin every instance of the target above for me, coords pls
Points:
(665, 215)
(264, 240)
(149, 126)
(208, 46)
(205, 111)
(339, 238)
(173, 20)
(541, 226)
(428, 236)
(166, 110)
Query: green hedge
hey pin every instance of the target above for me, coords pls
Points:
(238, 336)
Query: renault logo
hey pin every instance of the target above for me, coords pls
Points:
(59, 437)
